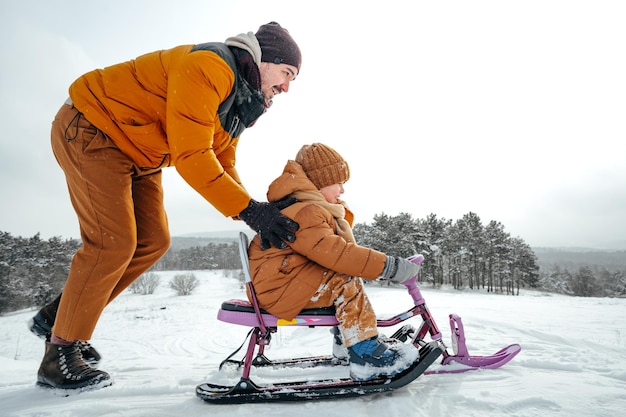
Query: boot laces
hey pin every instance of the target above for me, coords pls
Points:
(72, 364)
(82, 345)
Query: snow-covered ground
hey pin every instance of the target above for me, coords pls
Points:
(158, 347)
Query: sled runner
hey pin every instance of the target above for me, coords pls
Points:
(263, 324)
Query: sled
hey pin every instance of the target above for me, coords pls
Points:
(263, 324)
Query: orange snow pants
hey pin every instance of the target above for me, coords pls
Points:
(357, 320)
(123, 225)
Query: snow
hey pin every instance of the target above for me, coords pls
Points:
(158, 347)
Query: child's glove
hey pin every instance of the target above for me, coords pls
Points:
(399, 269)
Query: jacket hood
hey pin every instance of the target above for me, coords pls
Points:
(247, 42)
(292, 179)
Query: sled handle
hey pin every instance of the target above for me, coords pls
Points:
(411, 283)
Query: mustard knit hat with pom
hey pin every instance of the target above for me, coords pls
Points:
(323, 165)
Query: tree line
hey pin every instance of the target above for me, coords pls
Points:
(33, 271)
(464, 253)
(461, 253)
(584, 281)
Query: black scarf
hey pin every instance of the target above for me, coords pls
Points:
(249, 100)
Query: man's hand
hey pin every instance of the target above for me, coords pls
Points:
(273, 227)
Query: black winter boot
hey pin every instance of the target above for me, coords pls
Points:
(90, 354)
(373, 358)
(41, 326)
(63, 367)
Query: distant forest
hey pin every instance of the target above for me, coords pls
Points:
(463, 254)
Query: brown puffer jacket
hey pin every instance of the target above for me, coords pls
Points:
(286, 279)
(161, 109)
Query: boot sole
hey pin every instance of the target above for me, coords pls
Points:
(67, 390)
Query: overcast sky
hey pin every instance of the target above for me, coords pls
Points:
(513, 110)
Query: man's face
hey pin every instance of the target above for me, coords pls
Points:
(275, 79)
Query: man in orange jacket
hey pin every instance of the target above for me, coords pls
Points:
(184, 107)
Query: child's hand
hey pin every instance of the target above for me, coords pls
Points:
(399, 269)
(405, 270)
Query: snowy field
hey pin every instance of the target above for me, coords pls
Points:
(158, 347)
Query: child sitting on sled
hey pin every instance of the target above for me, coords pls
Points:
(324, 266)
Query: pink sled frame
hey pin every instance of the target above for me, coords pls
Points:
(248, 313)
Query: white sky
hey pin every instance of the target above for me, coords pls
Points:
(511, 110)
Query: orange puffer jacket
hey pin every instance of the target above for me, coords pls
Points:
(286, 279)
(161, 109)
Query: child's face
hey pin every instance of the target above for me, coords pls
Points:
(332, 192)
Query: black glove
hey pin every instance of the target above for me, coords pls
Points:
(266, 219)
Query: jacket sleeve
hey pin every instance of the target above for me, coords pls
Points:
(317, 240)
(201, 81)
(227, 159)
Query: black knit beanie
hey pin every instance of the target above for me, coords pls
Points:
(278, 46)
